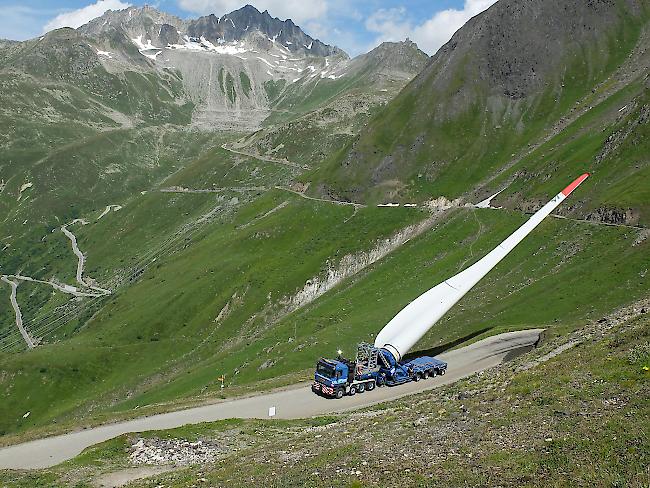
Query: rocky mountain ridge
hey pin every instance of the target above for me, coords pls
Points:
(164, 30)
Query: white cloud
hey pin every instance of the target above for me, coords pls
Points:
(296, 10)
(79, 17)
(393, 25)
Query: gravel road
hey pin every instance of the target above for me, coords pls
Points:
(294, 402)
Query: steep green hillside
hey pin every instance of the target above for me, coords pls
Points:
(217, 256)
(541, 420)
(500, 101)
(182, 324)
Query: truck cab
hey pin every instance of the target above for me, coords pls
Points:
(331, 377)
(335, 378)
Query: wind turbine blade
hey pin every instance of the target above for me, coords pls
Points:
(415, 320)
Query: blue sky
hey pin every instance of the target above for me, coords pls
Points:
(354, 25)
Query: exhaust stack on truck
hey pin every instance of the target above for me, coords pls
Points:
(381, 364)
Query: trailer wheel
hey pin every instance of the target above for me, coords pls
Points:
(339, 393)
(433, 373)
(443, 371)
(370, 386)
(425, 375)
(416, 377)
(353, 390)
(381, 381)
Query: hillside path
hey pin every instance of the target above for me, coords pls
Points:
(315, 199)
(80, 263)
(266, 158)
(294, 402)
(19, 315)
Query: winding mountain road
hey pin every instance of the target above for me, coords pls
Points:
(81, 261)
(268, 159)
(19, 316)
(295, 402)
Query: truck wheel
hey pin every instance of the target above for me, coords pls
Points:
(443, 371)
(425, 375)
(381, 381)
(339, 393)
(416, 377)
(361, 387)
(433, 373)
(370, 386)
(353, 390)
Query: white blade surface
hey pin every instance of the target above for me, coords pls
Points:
(415, 320)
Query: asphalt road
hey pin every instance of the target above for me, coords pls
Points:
(295, 402)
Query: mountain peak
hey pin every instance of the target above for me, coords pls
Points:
(401, 56)
(237, 25)
(248, 8)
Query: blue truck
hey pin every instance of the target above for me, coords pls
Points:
(373, 367)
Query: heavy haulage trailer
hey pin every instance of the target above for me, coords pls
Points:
(372, 367)
(382, 364)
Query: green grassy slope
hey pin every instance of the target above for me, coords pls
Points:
(207, 255)
(175, 303)
(611, 142)
(580, 416)
(80, 149)
(79, 180)
(78, 138)
(165, 326)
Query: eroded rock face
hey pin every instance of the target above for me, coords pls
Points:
(169, 35)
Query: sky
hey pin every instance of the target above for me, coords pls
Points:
(356, 26)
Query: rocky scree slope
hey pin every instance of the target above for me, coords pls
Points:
(372, 80)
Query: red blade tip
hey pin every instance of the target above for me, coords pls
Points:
(567, 191)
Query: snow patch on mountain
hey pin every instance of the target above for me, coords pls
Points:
(147, 49)
(202, 44)
(142, 46)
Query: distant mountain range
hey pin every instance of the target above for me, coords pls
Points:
(234, 70)
(243, 24)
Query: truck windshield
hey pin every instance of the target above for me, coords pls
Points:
(325, 370)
